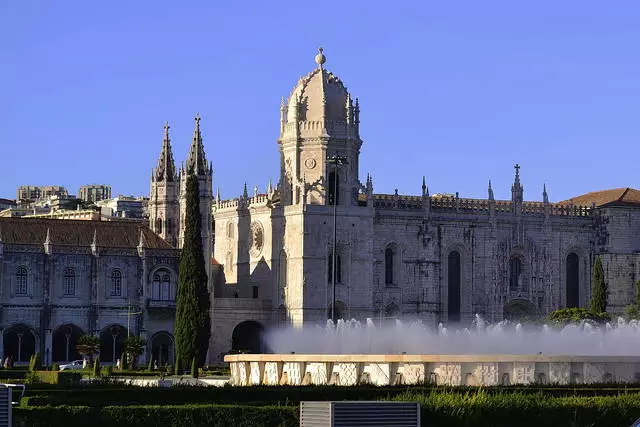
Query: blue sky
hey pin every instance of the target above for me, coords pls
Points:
(457, 91)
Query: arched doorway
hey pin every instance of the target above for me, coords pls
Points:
(247, 337)
(162, 348)
(518, 309)
(112, 343)
(65, 339)
(19, 343)
(341, 310)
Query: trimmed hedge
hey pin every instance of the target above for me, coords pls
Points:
(443, 409)
(120, 395)
(161, 416)
(62, 378)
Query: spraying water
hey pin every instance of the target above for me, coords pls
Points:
(618, 338)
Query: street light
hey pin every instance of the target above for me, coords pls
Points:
(337, 161)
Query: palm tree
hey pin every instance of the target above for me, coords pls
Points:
(134, 347)
(88, 345)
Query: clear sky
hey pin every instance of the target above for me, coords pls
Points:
(457, 91)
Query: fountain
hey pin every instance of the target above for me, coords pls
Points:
(505, 353)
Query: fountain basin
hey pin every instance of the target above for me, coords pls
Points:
(439, 369)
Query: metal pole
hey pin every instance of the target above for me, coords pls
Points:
(335, 238)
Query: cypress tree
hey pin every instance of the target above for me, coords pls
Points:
(96, 368)
(193, 323)
(598, 289)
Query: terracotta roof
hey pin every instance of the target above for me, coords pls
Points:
(120, 234)
(615, 196)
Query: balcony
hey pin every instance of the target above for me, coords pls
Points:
(161, 304)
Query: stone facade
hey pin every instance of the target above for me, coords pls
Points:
(438, 258)
(60, 279)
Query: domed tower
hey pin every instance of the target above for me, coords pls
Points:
(163, 198)
(319, 121)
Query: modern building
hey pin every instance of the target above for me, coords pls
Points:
(34, 193)
(123, 207)
(94, 192)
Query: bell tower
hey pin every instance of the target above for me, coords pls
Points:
(319, 124)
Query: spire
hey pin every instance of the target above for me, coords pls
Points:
(490, 192)
(545, 196)
(255, 191)
(425, 191)
(245, 193)
(47, 240)
(269, 187)
(142, 241)
(94, 242)
(516, 188)
(197, 161)
(166, 170)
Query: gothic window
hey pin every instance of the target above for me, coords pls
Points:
(69, 281)
(230, 230)
(454, 282)
(255, 292)
(389, 260)
(338, 277)
(573, 280)
(161, 286)
(282, 273)
(158, 225)
(229, 262)
(21, 281)
(334, 189)
(116, 283)
(515, 272)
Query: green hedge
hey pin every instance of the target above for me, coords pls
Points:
(120, 395)
(161, 416)
(478, 409)
(62, 378)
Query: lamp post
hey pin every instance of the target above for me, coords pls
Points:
(337, 161)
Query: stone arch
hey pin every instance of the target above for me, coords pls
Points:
(392, 311)
(64, 341)
(112, 342)
(247, 337)
(517, 309)
(159, 225)
(20, 342)
(572, 279)
(162, 346)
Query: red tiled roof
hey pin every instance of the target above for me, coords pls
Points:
(617, 196)
(115, 234)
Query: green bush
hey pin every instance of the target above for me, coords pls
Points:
(565, 316)
(55, 367)
(53, 377)
(34, 362)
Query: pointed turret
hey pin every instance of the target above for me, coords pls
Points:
(516, 188)
(490, 191)
(166, 170)
(425, 190)
(245, 193)
(545, 196)
(269, 187)
(197, 161)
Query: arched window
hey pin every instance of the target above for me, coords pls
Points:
(116, 283)
(573, 280)
(161, 286)
(21, 281)
(282, 275)
(230, 230)
(69, 281)
(454, 279)
(338, 277)
(515, 270)
(334, 189)
(389, 256)
(228, 264)
(255, 292)
(158, 225)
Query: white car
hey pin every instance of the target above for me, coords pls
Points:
(76, 364)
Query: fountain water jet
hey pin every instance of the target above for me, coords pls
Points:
(350, 352)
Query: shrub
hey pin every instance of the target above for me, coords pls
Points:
(565, 316)
(34, 362)
(53, 377)
(55, 367)
(96, 368)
